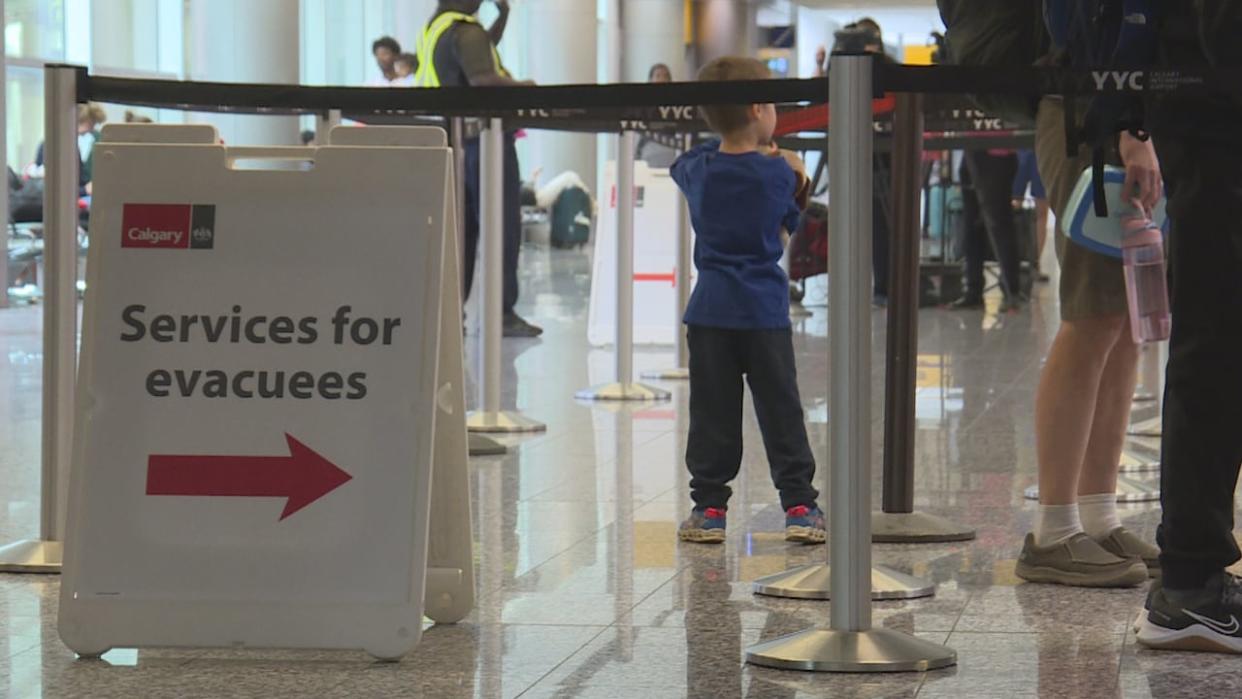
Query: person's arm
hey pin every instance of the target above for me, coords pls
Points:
(474, 52)
(686, 162)
(497, 31)
(1021, 180)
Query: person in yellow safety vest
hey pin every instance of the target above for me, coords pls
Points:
(456, 51)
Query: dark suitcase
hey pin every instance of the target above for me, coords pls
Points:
(808, 248)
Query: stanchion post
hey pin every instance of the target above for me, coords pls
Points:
(490, 417)
(850, 644)
(625, 260)
(681, 280)
(897, 522)
(815, 581)
(685, 263)
(324, 123)
(60, 316)
(4, 158)
(479, 445)
(491, 196)
(625, 388)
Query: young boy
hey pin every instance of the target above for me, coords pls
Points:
(742, 196)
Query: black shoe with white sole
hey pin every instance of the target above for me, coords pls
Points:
(1208, 619)
(516, 326)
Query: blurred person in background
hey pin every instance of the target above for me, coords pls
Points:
(650, 151)
(1027, 180)
(987, 186)
(455, 50)
(90, 118)
(386, 50)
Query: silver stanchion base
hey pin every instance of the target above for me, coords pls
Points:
(484, 446)
(916, 528)
(874, 650)
(1129, 490)
(815, 582)
(797, 310)
(668, 375)
(1147, 428)
(31, 556)
(503, 422)
(624, 391)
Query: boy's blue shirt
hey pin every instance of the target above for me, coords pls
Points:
(738, 204)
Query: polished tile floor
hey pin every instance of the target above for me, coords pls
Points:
(583, 588)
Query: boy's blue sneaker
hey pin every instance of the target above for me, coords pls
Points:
(704, 526)
(805, 525)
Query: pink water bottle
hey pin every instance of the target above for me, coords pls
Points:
(1147, 290)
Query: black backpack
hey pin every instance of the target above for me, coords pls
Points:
(998, 34)
(1119, 34)
(25, 199)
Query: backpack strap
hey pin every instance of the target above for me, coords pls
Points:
(1098, 195)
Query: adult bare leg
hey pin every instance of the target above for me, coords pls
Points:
(1065, 403)
(1112, 416)
(1068, 408)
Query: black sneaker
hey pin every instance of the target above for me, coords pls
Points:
(516, 326)
(1156, 584)
(1208, 619)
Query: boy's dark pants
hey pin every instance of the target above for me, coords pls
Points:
(719, 358)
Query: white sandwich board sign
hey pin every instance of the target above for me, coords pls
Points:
(264, 388)
(656, 208)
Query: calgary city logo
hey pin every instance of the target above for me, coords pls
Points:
(202, 237)
(168, 226)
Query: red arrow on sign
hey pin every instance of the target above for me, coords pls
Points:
(671, 278)
(303, 476)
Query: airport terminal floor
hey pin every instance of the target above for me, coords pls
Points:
(583, 588)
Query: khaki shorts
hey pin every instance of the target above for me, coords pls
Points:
(1092, 285)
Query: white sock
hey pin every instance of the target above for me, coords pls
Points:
(1099, 514)
(1055, 524)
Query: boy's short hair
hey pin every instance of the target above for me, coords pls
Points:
(407, 58)
(728, 118)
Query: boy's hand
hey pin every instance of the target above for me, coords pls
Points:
(802, 192)
(792, 158)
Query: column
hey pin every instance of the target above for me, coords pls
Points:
(561, 48)
(411, 17)
(112, 37)
(653, 31)
(246, 41)
(726, 27)
(4, 158)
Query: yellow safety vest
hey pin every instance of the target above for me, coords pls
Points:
(426, 75)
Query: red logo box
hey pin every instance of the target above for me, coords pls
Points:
(155, 226)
